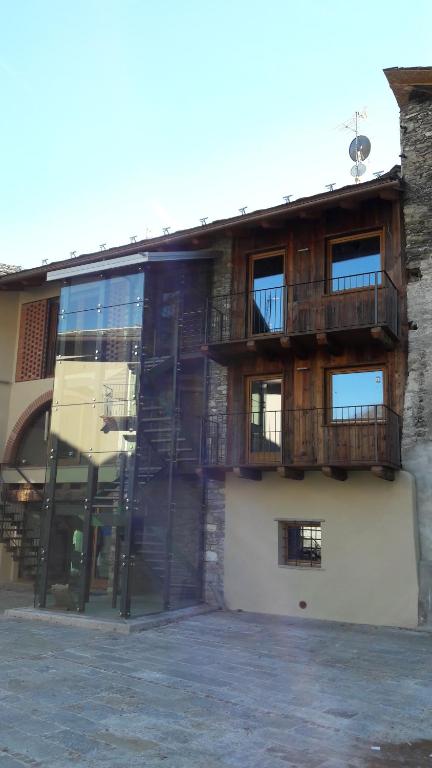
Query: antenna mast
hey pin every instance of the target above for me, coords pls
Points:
(359, 149)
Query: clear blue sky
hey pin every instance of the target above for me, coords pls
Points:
(123, 116)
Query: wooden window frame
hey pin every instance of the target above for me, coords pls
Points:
(248, 395)
(331, 241)
(351, 369)
(252, 258)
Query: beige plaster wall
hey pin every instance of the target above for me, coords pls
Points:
(369, 548)
(16, 397)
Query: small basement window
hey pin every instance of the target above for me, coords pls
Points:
(300, 543)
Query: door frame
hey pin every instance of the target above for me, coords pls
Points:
(253, 257)
(248, 397)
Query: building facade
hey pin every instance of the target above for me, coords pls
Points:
(220, 413)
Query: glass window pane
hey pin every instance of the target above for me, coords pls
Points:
(354, 263)
(268, 293)
(355, 394)
(301, 544)
(265, 416)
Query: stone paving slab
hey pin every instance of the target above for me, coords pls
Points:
(117, 624)
(219, 690)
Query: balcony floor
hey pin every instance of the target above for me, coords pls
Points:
(336, 469)
(301, 344)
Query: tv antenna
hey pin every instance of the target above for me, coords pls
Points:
(360, 147)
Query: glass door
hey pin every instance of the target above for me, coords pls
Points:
(264, 438)
(105, 545)
(266, 306)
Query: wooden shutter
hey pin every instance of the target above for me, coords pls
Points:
(31, 343)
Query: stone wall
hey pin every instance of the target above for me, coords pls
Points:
(215, 489)
(416, 134)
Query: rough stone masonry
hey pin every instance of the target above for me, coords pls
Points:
(215, 489)
(416, 140)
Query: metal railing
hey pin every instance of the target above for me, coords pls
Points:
(337, 303)
(358, 435)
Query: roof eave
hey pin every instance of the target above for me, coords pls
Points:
(389, 181)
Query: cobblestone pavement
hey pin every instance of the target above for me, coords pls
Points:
(217, 691)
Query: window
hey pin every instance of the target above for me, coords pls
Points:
(357, 395)
(267, 300)
(355, 262)
(300, 543)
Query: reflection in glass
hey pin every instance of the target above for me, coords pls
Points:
(101, 318)
(357, 395)
(265, 416)
(107, 292)
(32, 448)
(268, 294)
(356, 263)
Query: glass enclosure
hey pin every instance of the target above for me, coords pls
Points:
(123, 501)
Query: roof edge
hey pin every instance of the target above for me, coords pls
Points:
(389, 180)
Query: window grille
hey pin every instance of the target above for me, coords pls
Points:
(300, 543)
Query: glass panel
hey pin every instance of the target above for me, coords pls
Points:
(356, 263)
(32, 450)
(356, 395)
(65, 557)
(265, 416)
(122, 344)
(86, 381)
(106, 545)
(100, 430)
(109, 292)
(185, 566)
(149, 538)
(101, 318)
(268, 294)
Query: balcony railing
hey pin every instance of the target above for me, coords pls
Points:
(341, 303)
(353, 436)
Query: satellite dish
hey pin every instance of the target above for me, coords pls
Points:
(360, 148)
(358, 170)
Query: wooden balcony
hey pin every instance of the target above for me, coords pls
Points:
(331, 313)
(331, 439)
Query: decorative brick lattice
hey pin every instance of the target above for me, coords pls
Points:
(31, 344)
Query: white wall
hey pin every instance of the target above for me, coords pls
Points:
(369, 552)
